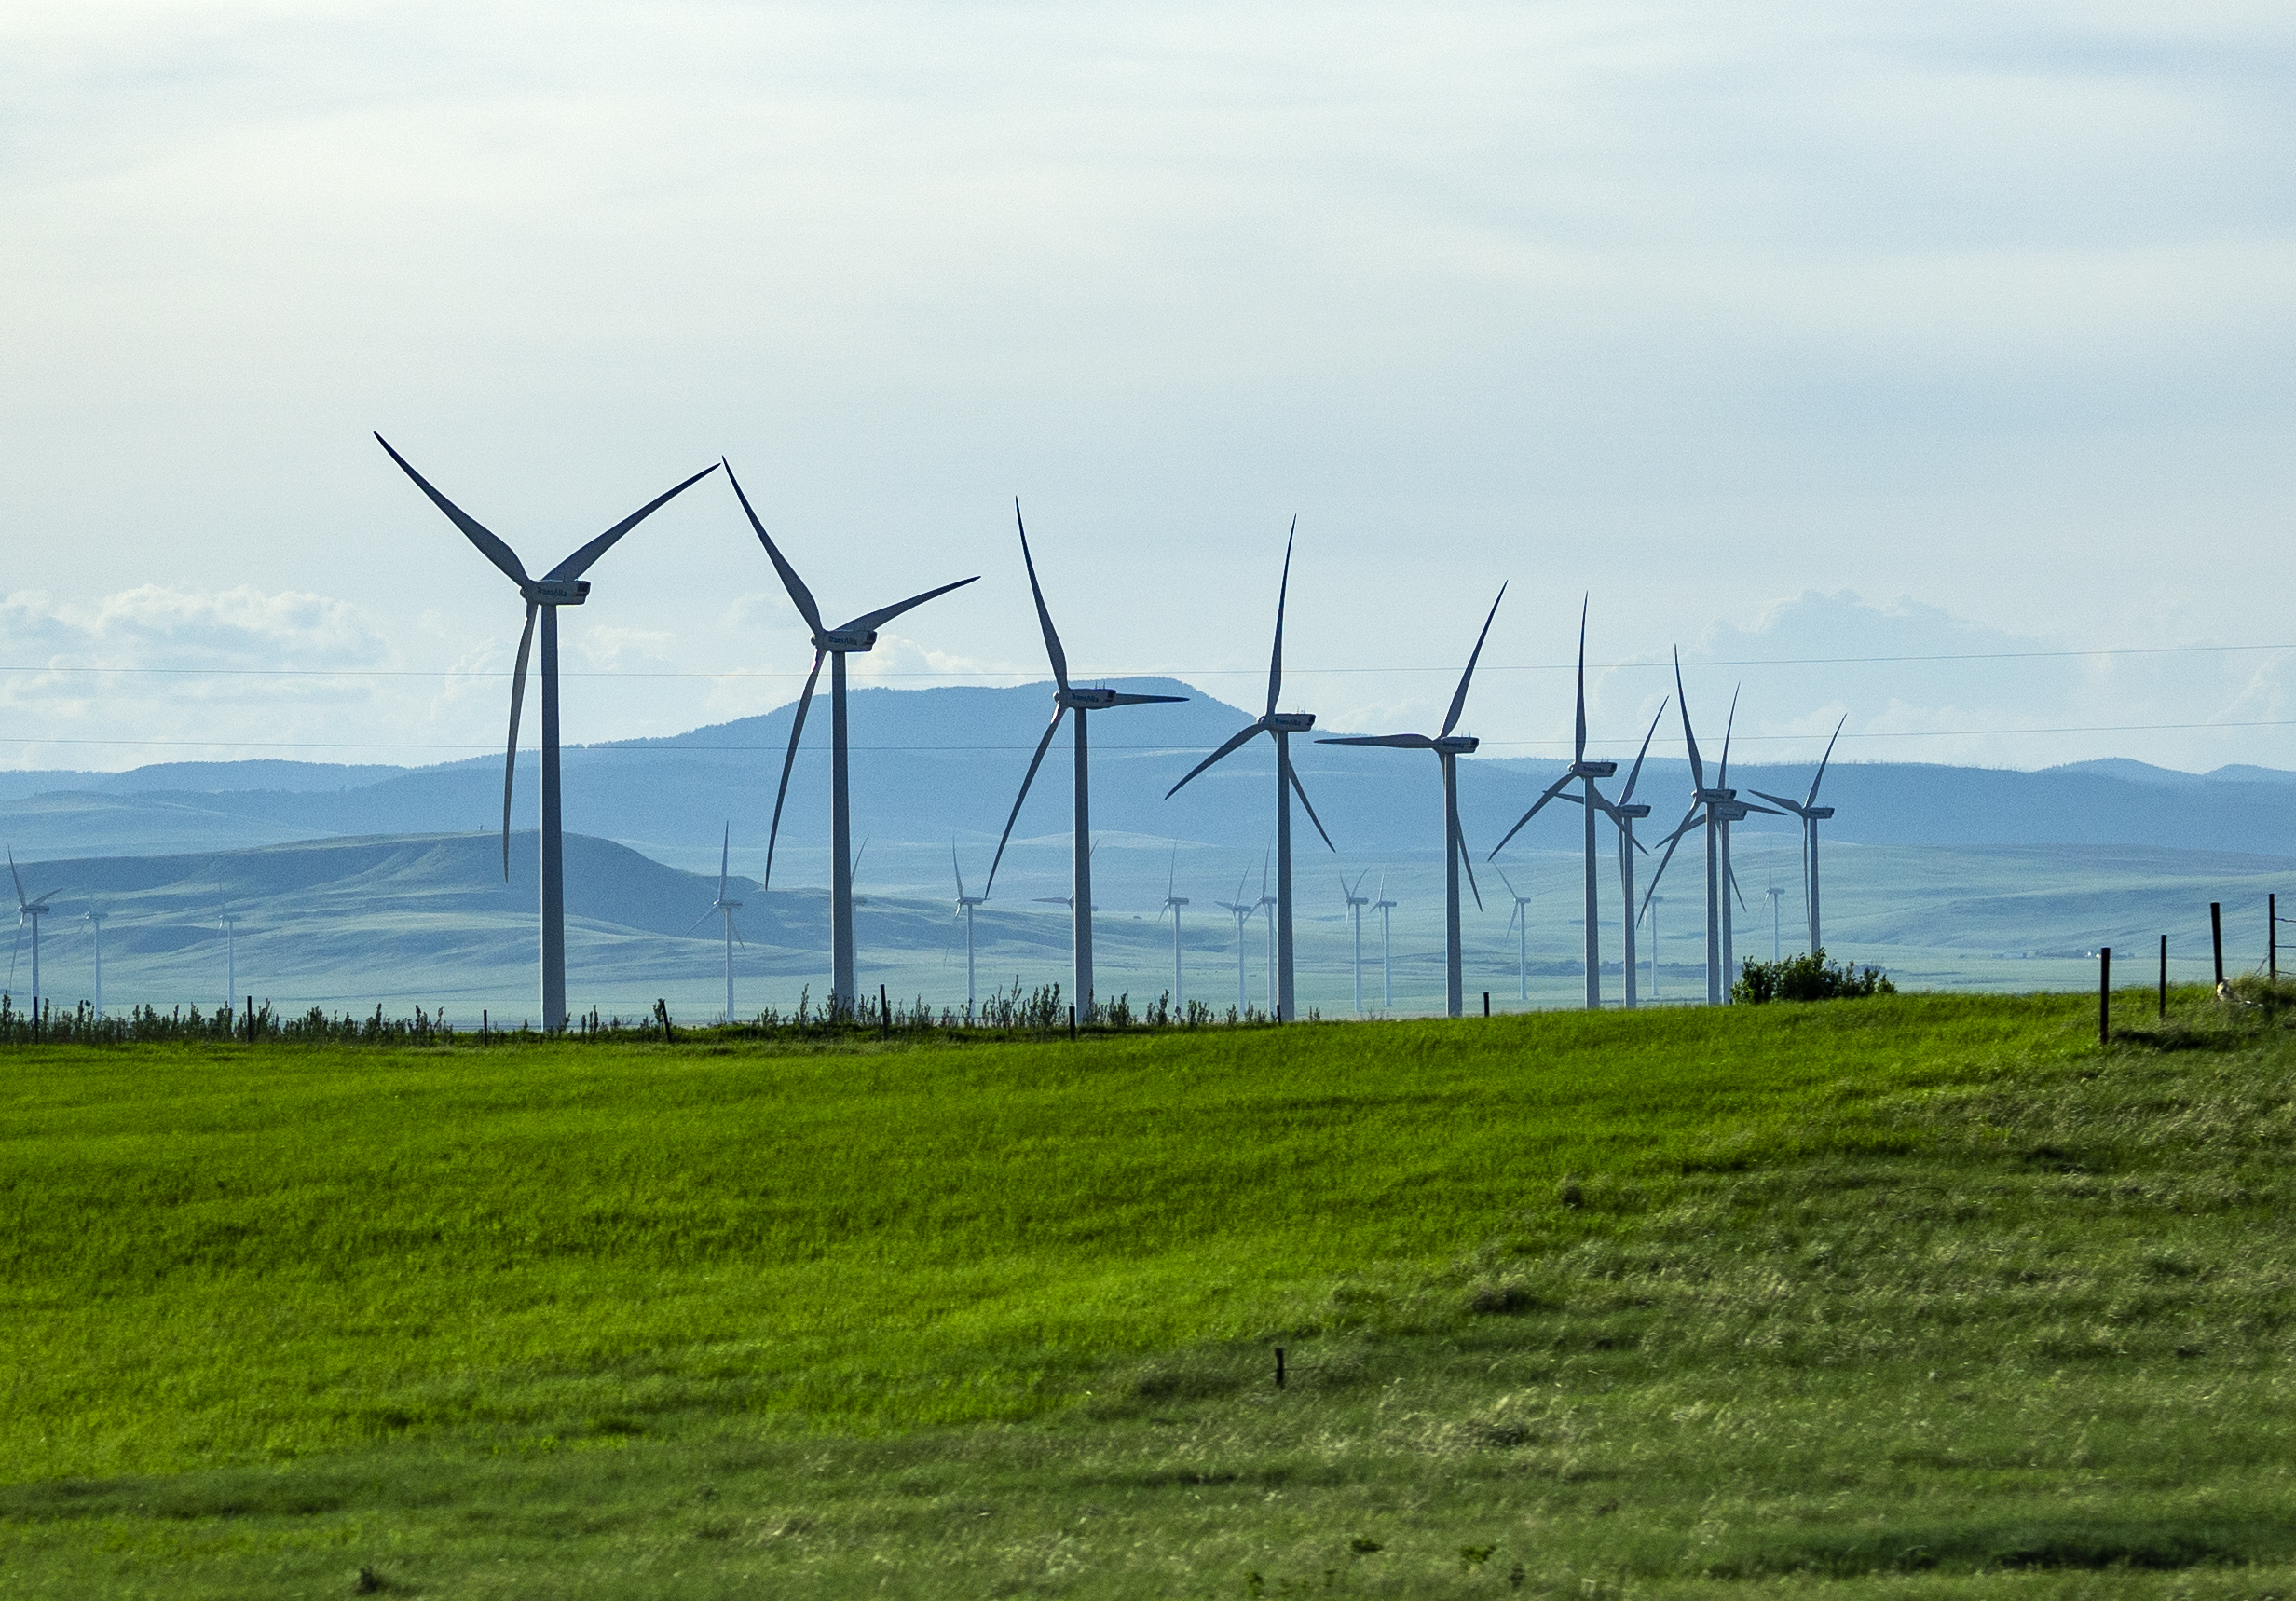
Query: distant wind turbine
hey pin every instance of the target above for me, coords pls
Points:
(29, 911)
(1066, 698)
(230, 920)
(966, 907)
(1267, 903)
(1385, 906)
(1172, 903)
(1279, 727)
(1580, 770)
(1357, 900)
(1812, 815)
(1241, 909)
(95, 922)
(1448, 747)
(563, 585)
(1521, 925)
(726, 909)
(857, 636)
(1624, 813)
(1714, 809)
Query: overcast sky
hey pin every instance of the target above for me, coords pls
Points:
(1791, 333)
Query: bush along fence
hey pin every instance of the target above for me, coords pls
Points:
(1807, 977)
(1014, 1012)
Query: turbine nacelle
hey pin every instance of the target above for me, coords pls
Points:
(1819, 812)
(1635, 809)
(846, 641)
(1715, 797)
(1593, 769)
(1456, 744)
(555, 591)
(1288, 723)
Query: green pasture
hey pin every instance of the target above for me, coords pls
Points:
(1922, 1296)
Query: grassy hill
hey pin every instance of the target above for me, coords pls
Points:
(1920, 1296)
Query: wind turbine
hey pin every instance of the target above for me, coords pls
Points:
(966, 905)
(1067, 699)
(856, 637)
(1812, 815)
(1172, 903)
(1773, 892)
(1383, 907)
(1624, 813)
(1582, 770)
(1521, 923)
(727, 908)
(230, 920)
(1448, 747)
(1267, 903)
(1714, 809)
(95, 921)
(563, 585)
(29, 911)
(1357, 900)
(1280, 727)
(1241, 909)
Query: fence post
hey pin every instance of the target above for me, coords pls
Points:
(1072, 1022)
(1486, 1003)
(885, 1015)
(2104, 996)
(2164, 977)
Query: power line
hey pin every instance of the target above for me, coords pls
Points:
(1291, 670)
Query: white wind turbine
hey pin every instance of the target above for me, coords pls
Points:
(1385, 906)
(726, 909)
(1066, 698)
(1624, 813)
(857, 636)
(1241, 909)
(230, 921)
(95, 922)
(1714, 809)
(1448, 747)
(1583, 772)
(1812, 815)
(1172, 903)
(966, 907)
(29, 911)
(563, 585)
(1521, 925)
(1279, 727)
(1267, 904)
(1357, 900)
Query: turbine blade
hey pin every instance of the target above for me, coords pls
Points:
(510, 759)
(1143, 700)
(1673, 841)
(1232, 744)
(489, 546)
(1458, 843)
(1275, 661)
(1043, 617)
(1793, 806)
(1722, 779)
(1582, 731)
(1731, 874)
(1823, 761)
(699, 921)
(959, 871)
(1459, 697)
(737, 932)
(1635, 776)
(1553, 791)
(799, 593)
(1510, 887)
(797, 731)
(1028, 778)
(16, 876)
(14, 945)
(872, 621)
(1765, 811)
(1300, 790)
(725, 855)
(1694, 818)
(579, 562)
(1698, 768)
(1391, 741)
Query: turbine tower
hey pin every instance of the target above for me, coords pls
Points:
(1279, 727)
(1241, 909)
(95, 922)
(1357, 900)
(29, 911)
(1521, 923)
(966, 905)
(1625, 813)
(1267, 903)
(727, 909)
(1812, 815)
(563, 585)
(1714, 809)
(1385, 906)
(856, 637)
(230, 921)
(1172, 903)
(1448, 747)
(1067, 699)
(1582, 770)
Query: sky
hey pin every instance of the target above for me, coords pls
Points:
(1922, 365)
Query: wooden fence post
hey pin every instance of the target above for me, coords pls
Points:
(2104, 996)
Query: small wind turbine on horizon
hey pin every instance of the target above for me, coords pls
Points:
(1714, 809)
(1812, 815)
(1448, 747)
(1519, 926)
(858, 637)
(966, 907)
(1624, 813)
(1357, 900)
(563, 585)
(1241, 909)
(1580, 770)
(1267, 903)
(28, 911)
(727, 909)
(1279, 727)
(1066, 698)
(1172, 903)
(1385, 906)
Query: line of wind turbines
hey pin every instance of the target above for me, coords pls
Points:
(1714, 809)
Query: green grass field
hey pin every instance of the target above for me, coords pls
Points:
(1917, 1296)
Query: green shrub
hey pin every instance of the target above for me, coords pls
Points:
(1808, 977)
